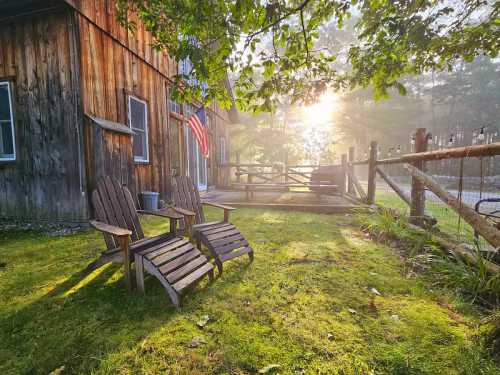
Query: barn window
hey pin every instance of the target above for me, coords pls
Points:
(138, 122)
(173, 105)
(7, 143)
(223, 150)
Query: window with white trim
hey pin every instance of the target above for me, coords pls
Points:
(173, 105)
(222, 144)
(138, 122)
(7, 141)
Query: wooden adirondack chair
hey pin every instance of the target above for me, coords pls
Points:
(222, 238)
(171, 259)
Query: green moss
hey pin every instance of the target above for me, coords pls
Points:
(306, 303)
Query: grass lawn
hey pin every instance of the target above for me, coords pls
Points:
(307, 304)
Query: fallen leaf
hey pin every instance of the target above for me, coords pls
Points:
(203, 321)
(375, 291)
(269, 368)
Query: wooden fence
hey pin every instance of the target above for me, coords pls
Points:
(284, 175)
(415, 165)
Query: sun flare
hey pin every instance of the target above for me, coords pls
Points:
(321, 111)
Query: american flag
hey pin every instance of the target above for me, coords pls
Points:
(198, 124)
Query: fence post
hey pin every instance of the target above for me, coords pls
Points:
(372, 173)
(238, 176)
(417, 209)
(344, 173)
(350, 183)
(286, 168)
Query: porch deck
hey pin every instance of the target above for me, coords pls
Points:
(284, 200)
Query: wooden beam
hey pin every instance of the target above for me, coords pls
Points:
(358, 186)
(417, 206)
(372, 165)
(302, 174)
(238, 174)
(344, 173)
(344, 208)
(491, 149)
(394, 186)
(476, 221)
(450, 153)
(350, 168)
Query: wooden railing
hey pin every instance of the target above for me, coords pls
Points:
(276, 174)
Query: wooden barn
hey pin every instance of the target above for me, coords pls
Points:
(82, 97)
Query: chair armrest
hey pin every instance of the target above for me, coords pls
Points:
(189, 217)
(183, 211)
(217, 205)
(110, 229)
(227, 209)
(170, 213)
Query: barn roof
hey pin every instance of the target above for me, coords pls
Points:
(12, 8)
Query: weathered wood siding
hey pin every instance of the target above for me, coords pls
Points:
(109, 73)
(45, 182)
(116, 62)
(102, 13)
(65, 62)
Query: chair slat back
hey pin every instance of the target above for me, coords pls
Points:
(186, 196)
(114, 205)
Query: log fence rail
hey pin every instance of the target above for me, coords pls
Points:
(415, 165)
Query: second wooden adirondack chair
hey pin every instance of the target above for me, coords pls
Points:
(222, 238)
(175, 262)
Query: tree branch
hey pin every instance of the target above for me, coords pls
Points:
(276, 22)
(305, 34)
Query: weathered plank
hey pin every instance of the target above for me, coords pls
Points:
(417, 205)
(372, 174)
(44, 183)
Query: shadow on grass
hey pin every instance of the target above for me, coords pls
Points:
(278, 309)
(90, 315)
(81, 320)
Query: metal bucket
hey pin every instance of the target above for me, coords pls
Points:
(150, 200)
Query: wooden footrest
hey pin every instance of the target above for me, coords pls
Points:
(224, 241)
(176, 263)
